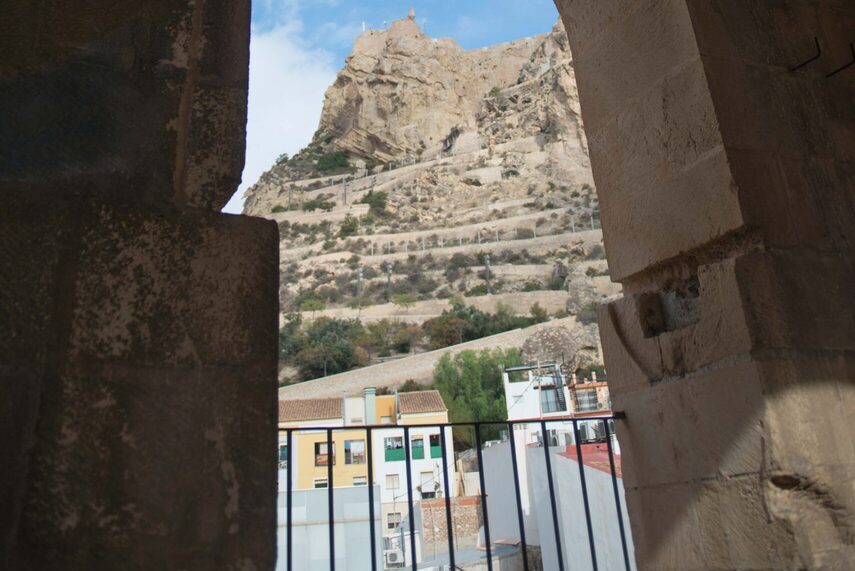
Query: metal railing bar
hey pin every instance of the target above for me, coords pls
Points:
(585, 493)
(370, 452)
(412, 513)
(449, 522)
(520, 518)
(484, 498)
(614, 416)
(289, 498)
(331, 507)
(545, 435)
(617, 496)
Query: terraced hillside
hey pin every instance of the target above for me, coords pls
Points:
(439, 174)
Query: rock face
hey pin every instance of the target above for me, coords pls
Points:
(429, 158)
(402, 93)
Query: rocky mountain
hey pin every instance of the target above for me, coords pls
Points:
(438, 172)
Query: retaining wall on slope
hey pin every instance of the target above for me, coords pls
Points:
(418, 367)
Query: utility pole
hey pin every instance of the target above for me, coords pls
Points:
(573, 224)
(344, 186)
(290, 195)
(479, 235)
(487, 273)
(423, 243)
(359, 282)
(497, 235)
(388, 282)
(592, 221)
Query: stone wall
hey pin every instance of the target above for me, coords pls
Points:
(137, 324)
(467, 519)
(725, 182)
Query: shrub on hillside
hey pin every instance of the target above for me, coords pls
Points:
(332, 161)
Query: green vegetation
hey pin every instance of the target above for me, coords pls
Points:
(538, 313)
(317, 204)
(404, 300)
(332, 161)
(471, 386)
(323, 347)
(495, 92)
(313, 305)
(463, 323)
(376, 202)
(277, 209)
(349, 226)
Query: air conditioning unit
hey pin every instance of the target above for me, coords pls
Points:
(394, 558)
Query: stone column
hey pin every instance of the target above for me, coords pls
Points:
(137, 323)
(728, 209)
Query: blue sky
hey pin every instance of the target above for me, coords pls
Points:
(298, 46)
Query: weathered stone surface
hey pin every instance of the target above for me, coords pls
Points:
(144, 102)
(139, 401)
(728, 218)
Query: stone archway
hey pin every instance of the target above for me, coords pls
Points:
(137, 324)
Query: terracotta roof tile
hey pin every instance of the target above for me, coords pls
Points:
(292, 410)
(420, 401)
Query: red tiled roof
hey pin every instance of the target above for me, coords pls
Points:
(594, 456)
(420, 401)
(309, 409)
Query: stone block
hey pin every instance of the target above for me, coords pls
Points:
(660, 155)
(797, 300)
(138, 368)
(665, 529)
(721, 408)
(735, 529)
(633, 360)
(175, 288)
(151, 468)
(621, 51)
(118, 102)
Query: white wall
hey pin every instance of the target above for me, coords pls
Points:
(570, 507)
(310, 531)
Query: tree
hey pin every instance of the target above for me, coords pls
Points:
(359, 303)
(538, 313)
(328, 347)
(312, 305)
(471, 386)
(349, 226)
(404, 300)
(376, 202)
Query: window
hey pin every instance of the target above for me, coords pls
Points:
(283, 457)
(394, 448)
(435, 446)
(586, 401)
(354, 452)
(393, 520)
(321, 483)
(360, 481)
(321, 455)
(428, 485)
(549, 401)
(417, 447)
(393, 481)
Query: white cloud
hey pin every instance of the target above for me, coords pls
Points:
(287, 81)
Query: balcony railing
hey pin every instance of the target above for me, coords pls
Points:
(407, 534)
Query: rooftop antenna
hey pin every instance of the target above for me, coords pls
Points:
(412, 14)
